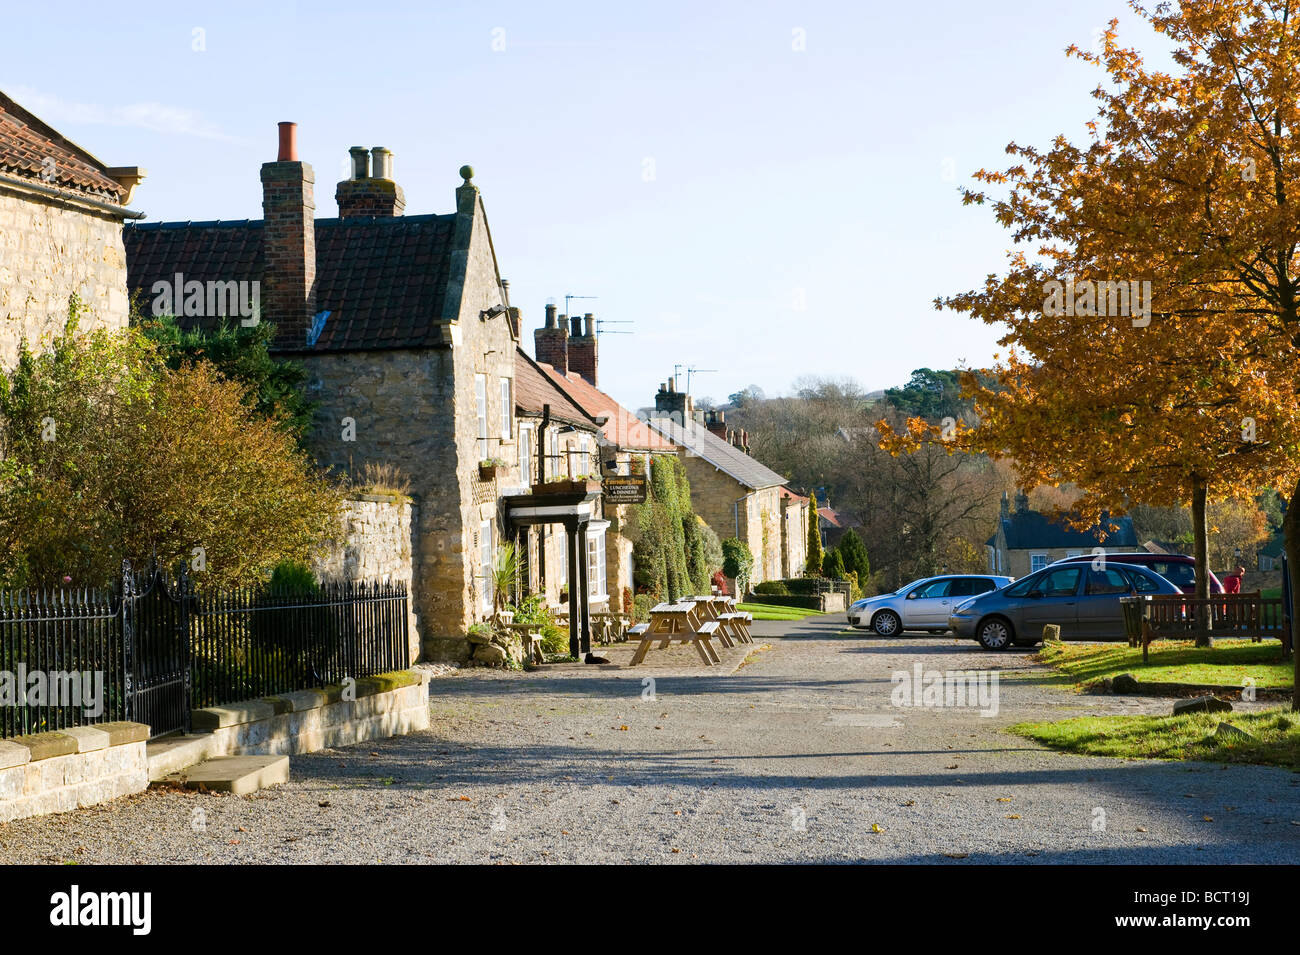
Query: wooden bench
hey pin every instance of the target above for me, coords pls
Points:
(680, 622)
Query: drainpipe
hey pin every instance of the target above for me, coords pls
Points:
(541, 444)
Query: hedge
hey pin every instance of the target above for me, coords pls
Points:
(807, 602)
(802, 586)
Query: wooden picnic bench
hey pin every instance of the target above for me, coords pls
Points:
(681, 622)
(1183, 617)
(731, 624)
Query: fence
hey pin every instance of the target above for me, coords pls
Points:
(154, 647)
(1181, 617)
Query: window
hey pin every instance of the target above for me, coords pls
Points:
(1141, 582)
(485, 563)
(1074, 553)
(507, 406)
(970, 586)
(935, 588)
(1037, 562)
(1182, 576)
(1062, 582)
(563, 535)
(596, 562)
(553, 465)
(480, 400)
(526, 455)
(1108, 581)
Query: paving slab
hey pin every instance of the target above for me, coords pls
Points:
(238, 775)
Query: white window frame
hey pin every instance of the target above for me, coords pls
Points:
(1034, 556)
(526, 475)
(564, 555)
(597, 584)
(553, 438)
(485, 563)
(480, 402)
(507, 409)
(1074, 553)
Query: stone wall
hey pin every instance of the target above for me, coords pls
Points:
(376, 544)
(49, 252)
(71, 769)
(794, 536)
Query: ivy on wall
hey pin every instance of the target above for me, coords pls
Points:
(675, 553)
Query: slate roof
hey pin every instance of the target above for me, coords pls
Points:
(623, 429)
(26, 142)
(382, 279)
(699, 440)
(1031, 529)
(534, 389)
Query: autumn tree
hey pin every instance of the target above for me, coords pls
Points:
(1154, 307)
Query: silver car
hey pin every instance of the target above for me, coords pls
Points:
(1082, 600)
(924, 604)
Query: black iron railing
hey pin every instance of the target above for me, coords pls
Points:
(155, 647)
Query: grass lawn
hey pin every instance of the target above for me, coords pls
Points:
(1277, 735)
(1227, 663)
(773, 612)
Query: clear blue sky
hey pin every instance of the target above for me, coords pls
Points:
(825, 177)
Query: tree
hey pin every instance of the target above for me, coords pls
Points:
(107, 455)
(1154, 332)
(737, 562)
(932, 395)
(854, 553)
(833, 565)
(275, 387)
(813, 559)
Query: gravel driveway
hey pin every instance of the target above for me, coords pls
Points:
(796, 755)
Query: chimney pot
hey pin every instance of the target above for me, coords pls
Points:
(383, 163)
(576, 322)
(288, 143)
(360, 162)
(550, 316)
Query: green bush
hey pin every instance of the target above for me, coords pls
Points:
(776, 588)
(833, 565)
(737, 561)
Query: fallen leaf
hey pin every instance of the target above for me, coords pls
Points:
(1013, 816)
(1004, 799)
(875, 827)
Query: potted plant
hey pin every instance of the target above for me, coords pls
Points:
(487, 468)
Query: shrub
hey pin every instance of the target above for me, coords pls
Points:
(787, 600)
(775, 588)
(833, 565)
(737, 561)
(814, 556)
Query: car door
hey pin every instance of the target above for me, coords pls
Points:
(1053, 598)
(927, 605)
(1100, 614)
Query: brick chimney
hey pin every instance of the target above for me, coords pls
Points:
(551, 342)
(289, 242)
(671, 403)
(582, 348)
(716, 422)
(370, 194)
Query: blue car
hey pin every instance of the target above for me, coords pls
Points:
(1081, 598)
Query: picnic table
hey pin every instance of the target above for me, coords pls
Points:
(731, 624)
(685, 622)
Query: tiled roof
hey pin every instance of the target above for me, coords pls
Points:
(26, 144)
(698, 439)
(382, 280)
(534, 389)
(622, 429)
(1026, 529)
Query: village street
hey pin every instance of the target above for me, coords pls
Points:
(794, 756)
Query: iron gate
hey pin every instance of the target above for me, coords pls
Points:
(156, 640)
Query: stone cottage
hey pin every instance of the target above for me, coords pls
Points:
(566, 350)
(1027, 540)
(557, 440)
(406, 330)
(736, 495)
(61, 215)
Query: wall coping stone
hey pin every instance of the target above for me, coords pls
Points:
(81, 739)
(379, 497)
(232, 714)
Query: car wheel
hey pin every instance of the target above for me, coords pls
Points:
(886, 623)
(995, 634)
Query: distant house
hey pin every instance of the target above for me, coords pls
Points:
(832, 524)
(61, 211)
(1027, 540)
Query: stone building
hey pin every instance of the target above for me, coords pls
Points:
(735, 494)
(405, 328)
(1027, 540)
(557, 440)
(566, 349)
(61, 215)
(794, 533)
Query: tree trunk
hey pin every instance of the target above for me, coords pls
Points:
(1291, 527)
(1200, 551)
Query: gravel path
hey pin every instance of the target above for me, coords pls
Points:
(796, 755)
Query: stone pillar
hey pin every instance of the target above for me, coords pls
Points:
(575, 648)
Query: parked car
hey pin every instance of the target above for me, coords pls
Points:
(1081, 600)
(923, 604)
(1178, 569)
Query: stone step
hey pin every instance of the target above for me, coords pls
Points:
(238, 775)
(174, 753)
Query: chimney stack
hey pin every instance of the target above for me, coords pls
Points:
(716, 421)
(582, 348)
(367, 194)
(289, 242)
(551, 342)
(671, 403)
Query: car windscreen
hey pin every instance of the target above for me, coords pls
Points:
(1181, 575)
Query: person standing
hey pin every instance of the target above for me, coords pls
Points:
(1232, 582)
